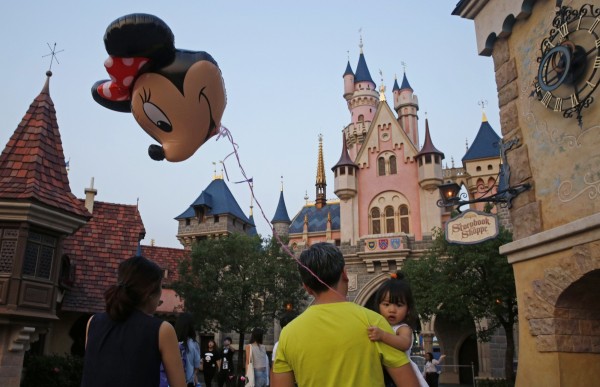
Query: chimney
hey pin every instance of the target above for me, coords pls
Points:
(90, 195)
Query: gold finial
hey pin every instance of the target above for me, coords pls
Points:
(214, 170)
(381, 88)
(52, 56)
(483, 103)
(320, 163)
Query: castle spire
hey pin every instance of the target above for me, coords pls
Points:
(321, 184)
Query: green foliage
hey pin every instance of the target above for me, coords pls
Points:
(238, 283)
(52, 371)
(468, 282)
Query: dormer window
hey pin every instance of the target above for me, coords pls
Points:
(39, 255)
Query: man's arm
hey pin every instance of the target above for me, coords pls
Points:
(403, 376)
(285, 379)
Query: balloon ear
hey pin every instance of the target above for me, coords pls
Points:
(119, 106)
(156, 152)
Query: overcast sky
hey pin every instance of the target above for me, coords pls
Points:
(282, 65)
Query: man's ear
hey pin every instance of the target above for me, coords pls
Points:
(345, 276)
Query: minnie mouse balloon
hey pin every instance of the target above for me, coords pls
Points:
(177, 96)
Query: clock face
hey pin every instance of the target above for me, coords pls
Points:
(569, 68)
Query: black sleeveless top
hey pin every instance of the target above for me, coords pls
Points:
(122, 353)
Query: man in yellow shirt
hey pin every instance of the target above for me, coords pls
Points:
(327, 345)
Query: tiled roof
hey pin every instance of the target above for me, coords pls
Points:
(317, 218)
(362, 71)
(96, 250)
(217, 199)
(32, 165)
(167, 258)
(485, 144)
(281, 214)
(428, 146)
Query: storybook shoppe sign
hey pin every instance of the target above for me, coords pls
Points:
(472, 227)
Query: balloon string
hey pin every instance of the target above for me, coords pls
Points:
(224, 132)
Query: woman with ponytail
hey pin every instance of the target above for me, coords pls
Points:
(126, 344)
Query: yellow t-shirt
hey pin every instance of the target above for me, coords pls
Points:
(328, 346)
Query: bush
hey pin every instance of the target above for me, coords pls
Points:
(52, 371)
(494, 383)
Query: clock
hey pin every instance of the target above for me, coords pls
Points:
(569, 66)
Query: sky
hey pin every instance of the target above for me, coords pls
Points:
(282, 65)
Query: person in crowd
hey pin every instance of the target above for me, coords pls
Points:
(326, 346)
(186, 334)
(126, 344)
(210, 362)
(394, 301)
(260, 359)
(226, 373)
(430, 371)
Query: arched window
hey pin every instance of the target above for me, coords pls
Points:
(404, 221)
(393, 167)
(381, 166)
(490, 167)
(478, 169)
(389, 220)
(375, 221)
(361, 118)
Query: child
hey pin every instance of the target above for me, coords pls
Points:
(395, 302)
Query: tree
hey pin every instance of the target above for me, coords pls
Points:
(451, 277)
(238, 283)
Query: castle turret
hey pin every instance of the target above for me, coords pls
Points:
(430, 163)
(406, 105)
(430, 177)
(345, 187)
(348, 82)
(281, 221)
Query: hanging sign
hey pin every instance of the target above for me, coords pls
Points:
(472, 227)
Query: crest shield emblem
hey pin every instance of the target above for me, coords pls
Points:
(371, 245)
(383, 244)
(395, 243)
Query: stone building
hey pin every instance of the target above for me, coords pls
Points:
(546, 59)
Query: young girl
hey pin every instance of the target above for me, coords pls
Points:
(395, 302)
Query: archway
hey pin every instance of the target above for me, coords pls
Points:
(467, 354)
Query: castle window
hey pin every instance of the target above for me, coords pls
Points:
(375, 221)
(361, 118)
(342, 170)
(427, 159)
(393, 167)
(404, 220)
(420, 161)
(437, 159)
(478, 169)
(216, 218)
(187, 221)
(199, 214)
(39, 255)
(381, 166)
(350, 171)
(490, 167)
(389, 219)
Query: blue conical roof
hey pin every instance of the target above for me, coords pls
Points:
(362, 71)
(405, 84)
(281, 214)
(485, 144)
(252, 230)
(217, 199)
(396, 87)
(348, 70)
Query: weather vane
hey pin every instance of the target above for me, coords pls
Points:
(483, 103)
(403, 65)
(52, 54)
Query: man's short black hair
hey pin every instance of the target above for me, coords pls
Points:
(325, 261)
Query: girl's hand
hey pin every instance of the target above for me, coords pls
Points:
(375, 333)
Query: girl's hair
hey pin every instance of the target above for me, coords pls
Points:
(184, 327)
(256, 336)
(138, 279)
(398, 289)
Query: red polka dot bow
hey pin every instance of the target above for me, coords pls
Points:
(122, 73)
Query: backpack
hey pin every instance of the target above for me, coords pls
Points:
(163, 374)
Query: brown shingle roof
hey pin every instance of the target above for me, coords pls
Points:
(96, 250)
(167, 258)
(32, 165)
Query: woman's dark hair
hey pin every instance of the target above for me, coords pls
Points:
(184, 327)
(399, 291)
(430, 356)
(256, 336)
(138, 279)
